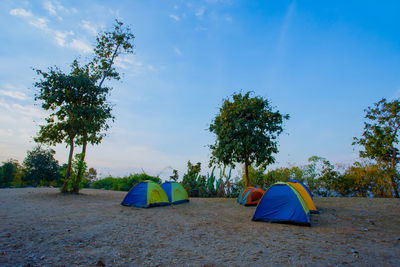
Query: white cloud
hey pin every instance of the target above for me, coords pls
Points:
(175, 17)
(177, 51)
(15, 95)
(40, 23)
(61, 37)
(20, 12)
(50, 7)
(80, 45)
(285, 26)
(228, 18)
(200, 12)
(87, 25)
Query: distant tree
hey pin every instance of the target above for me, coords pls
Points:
(8, 172)
(364, 179)
(174, 175)
(41, 167)
(247, 129)
(91, 175)
(192, 181)
(380, 139)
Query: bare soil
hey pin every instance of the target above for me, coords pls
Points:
(41, 227)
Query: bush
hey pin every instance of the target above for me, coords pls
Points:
(123, 183)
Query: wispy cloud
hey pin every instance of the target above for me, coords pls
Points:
(61, 38)
(175, 17)
(228, 18)
(177, 51)
(285, 26)
(20, 12)
(87, 25)
(80, 45)
(200, 12)
(14, 94)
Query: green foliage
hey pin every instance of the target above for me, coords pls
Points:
(174, 176)
(79, 111)
(380, 139)
(207, 185)
(123, 183)
(8, 171)
(247, 129)
(41, 168)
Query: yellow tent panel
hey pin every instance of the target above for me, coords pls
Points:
(304, 194)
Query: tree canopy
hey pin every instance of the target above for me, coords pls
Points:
(41, 167)
(380, 139)
(247, 129)
(78, 101)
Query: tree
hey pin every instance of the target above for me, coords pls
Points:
(41, 167)
(247, 129)
(91, 175)
(8, 171)
(174, 175)
(109, 46)
(78, 100)
(380, 138)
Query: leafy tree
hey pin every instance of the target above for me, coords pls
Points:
(8, 172)
(96, 110)
(174, 175)
(192, 180)
(380, 139)
(91, 175)
(247, 129)
(80, 112)
(41, 167)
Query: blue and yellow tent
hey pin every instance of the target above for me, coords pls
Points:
(305, 194)
(146, 194)
(175, 192)
(282, 203)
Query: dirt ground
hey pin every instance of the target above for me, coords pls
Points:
(41, 227)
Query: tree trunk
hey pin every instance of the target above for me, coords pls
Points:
(393, 175)
(80, 170)
(246, 172)
(68, 172)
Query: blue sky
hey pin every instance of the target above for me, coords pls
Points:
(320, 62)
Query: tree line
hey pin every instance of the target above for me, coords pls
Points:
(246, 129)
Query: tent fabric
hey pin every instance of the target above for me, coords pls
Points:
(304, 192)
(244, 194)
(252, 196)
(175, 192)
(146, 194)
(283, 204)
(305, 187)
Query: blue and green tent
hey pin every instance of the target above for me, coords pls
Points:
(282, 204)
(146, 194)
(175, 192)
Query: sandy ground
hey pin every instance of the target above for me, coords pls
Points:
(41, 227)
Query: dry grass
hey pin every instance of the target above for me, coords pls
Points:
(39, 226)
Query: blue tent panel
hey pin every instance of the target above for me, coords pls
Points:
(281, 204)
(137, 196)
(167, 188)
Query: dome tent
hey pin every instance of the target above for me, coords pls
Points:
(282, 203)
(305, 194)
(252, 196)
(244, 194)
(146, 194)
(175, 192)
